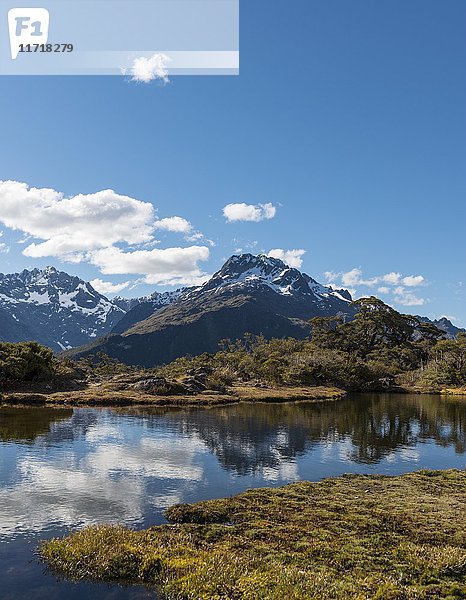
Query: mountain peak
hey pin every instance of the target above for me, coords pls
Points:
(259, 294)
(54, 308)
(444, 324)
(249, 272)
(241, 262)
(29, 276)
(248, 268)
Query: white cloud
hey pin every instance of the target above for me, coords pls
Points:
(89, 228)
(197, 236)
(77, 224)
(169, 266)
(174, 224)
(292, 258)
(145, 70)
(392, 278)
(331, 276)
(182, 281)
(249, 212)
(413, 280)
(4, 248)
(354, 277)
(407, 298)
(107, 287)
(393, 284)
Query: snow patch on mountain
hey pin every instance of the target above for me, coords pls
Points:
(62, 311)
(54, 308)
(157, 299)
(248, 272)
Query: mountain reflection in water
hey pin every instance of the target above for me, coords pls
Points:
(65, 468)
(248, 437)
(73, 467)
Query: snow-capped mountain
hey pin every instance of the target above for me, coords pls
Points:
(255, 294)
(250, 294)
(53, 308)
(157, 299)
(249, 272)
(143, 307)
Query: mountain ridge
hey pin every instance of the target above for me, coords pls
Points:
(255, 294)
(54, 308)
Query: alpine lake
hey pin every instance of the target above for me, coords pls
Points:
(64, 468)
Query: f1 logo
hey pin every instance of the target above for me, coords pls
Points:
(27, 26)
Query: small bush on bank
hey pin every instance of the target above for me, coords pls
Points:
(25, 362)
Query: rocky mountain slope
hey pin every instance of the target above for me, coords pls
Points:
(139, 309)
(445, 325)
(53, 308)
(255, 294)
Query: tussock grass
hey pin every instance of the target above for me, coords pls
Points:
(352, 537)
(106, 396)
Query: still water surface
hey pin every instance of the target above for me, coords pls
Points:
(63, 468)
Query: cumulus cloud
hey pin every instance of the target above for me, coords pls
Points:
(249, 212)
(107, 287)
(4, 248)
(393, 284)
(392, 278)
(292, 258)
(354, 277)
(174, 224)
(154, 68)
(77, 224)
(169, 266)
(105, 228)
(413, 280)
(407, 298)
(331, 276)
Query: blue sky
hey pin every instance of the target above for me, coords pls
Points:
(349, 118)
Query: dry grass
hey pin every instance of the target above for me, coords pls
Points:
(454, 391)
(106, 396)
(352, 537)
(286, 394)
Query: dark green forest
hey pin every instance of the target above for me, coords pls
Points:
(379, 348)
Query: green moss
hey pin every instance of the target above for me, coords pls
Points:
(352, 537)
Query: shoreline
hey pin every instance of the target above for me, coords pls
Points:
(100, 397)
(95, 397)
(379, 536)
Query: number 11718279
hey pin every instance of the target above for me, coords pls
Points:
(46, 48)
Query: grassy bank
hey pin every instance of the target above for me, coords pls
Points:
(453, 391)
(108, 396)
(350, 537)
